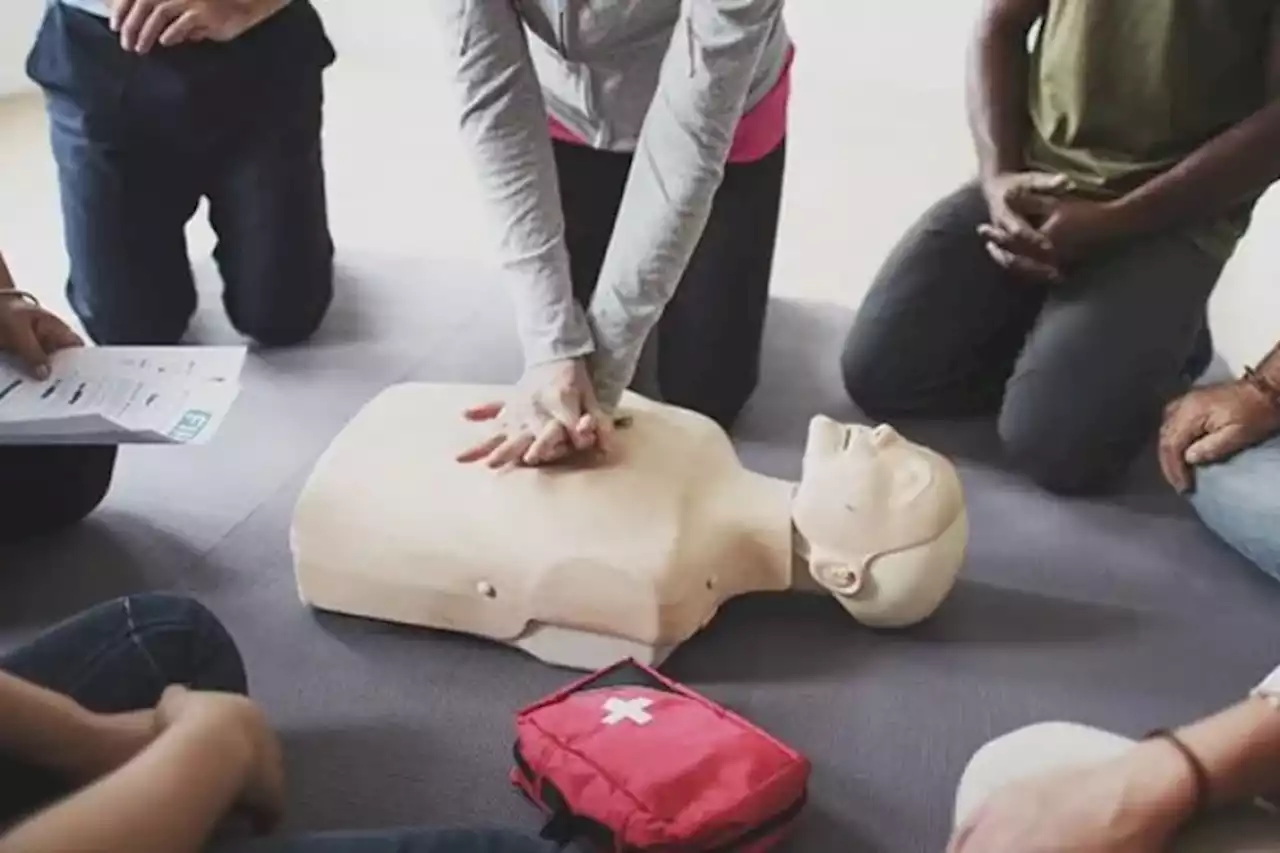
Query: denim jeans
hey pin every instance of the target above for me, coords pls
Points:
(116, 657)
(1239, 498)
(140, 140)
(120, 656)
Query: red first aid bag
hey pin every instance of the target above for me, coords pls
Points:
(628, 760)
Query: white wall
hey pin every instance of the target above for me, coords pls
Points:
(878, 133)
(18, 22)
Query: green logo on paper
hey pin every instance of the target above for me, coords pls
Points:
(192, 423)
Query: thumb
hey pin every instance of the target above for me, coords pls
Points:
(1045, 182)
(565, 408)
(1217, 445)
(1031, 203)
(20, 340)
(605, 426)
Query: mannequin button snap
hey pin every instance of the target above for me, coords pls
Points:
(486, 589)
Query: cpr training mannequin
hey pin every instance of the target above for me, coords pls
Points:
(1049, 747)
(627, 556)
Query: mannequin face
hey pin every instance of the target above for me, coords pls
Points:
(866, 493)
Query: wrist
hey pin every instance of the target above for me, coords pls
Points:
(1264, 392)
(1164, 783)
(225, 738)
(1125, 216)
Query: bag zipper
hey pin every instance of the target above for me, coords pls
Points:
(767, 827)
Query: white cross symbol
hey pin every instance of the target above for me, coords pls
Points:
(627, 709)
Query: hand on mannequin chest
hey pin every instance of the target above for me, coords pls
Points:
(627, 556)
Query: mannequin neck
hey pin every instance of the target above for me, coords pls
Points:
(757, 509)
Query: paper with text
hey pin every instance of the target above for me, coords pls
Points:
(121, 395)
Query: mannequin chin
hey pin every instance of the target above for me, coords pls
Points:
(582, 565)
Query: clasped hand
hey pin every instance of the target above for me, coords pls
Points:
(103, 743)
(1036, 229)
(551, 415)
(143, 24)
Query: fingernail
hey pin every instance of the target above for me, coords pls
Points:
(42, 371)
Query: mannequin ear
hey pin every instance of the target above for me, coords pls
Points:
(826, 437)
(839, 578)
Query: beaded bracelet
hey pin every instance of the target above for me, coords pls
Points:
(1264, 385)
(1198, 771)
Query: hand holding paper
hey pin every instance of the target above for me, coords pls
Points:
(121, 395)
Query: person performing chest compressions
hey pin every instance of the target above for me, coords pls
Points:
(631, 157)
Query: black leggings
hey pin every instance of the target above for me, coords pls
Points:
(707, 344)
(43, 489)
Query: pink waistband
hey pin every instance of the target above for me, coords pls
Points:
(760, 130)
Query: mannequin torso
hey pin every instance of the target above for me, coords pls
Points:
(577, 565)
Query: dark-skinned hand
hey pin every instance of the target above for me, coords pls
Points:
(1018, 203)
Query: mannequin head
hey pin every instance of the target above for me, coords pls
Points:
(881, 521)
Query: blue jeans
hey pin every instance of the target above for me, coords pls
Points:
(138, 142)
(120, 656)
(116, 657)
(1239, 498)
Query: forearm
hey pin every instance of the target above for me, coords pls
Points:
(504, 125)
(169, 799)
(1229, 170)
(39, 726)
(996, 90)
(675, 173)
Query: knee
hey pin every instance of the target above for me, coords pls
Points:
(91, 482)
(188, 643)
(284, 303)
(1237, 500)
(1057, 460)
(1065, 443)
(1025, 752)
(113, 320)
(53, 487)
(867, 381)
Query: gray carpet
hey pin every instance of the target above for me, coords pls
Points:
(1123, 614)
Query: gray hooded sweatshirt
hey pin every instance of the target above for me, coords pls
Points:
(665, 79)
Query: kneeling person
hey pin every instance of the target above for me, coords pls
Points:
(1065, 289)
(156, 105)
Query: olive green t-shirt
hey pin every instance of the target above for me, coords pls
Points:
(1122, 90)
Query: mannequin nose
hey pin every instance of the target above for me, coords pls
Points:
(883, 435)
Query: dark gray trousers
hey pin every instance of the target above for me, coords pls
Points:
(1078, 372)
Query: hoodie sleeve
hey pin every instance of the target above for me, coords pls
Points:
(678, 165)
(504, 124)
